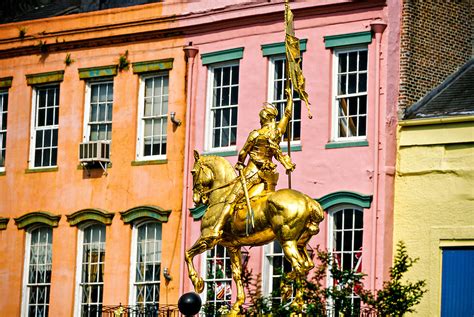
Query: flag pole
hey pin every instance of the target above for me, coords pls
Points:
(288, 86)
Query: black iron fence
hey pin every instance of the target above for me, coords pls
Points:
(141, 311)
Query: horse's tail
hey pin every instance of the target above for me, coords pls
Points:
(316, 215)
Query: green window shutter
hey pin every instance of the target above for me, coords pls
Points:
(348, 39)
(279, 48)
(97, 72)
(44, 78)
(222, 56)
(6, 82)
(152, 66)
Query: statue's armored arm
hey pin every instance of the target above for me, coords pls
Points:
(283, 123)
(246, 149)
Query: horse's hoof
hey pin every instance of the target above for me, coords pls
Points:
(199, 286)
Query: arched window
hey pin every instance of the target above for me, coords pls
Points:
(37, 274)
(146, 264)
(346, 228)
(90, 269)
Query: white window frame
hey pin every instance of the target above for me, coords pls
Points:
(34, 128)
(26, 266)
(271, 93)
(79, 255)
(86, 131)
(141, 121)
(335, 89)
(331, 239)
(133, 259)
(268, 275)
(209, 113)
(206, 280)
(2, 111)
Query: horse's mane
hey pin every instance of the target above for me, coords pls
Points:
(219, 166)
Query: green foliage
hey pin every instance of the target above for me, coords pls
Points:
(397, 296)
(124, 63)
(68, 60)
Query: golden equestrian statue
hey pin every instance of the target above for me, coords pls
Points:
(286, 215)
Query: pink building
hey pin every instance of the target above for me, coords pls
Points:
(345, 155)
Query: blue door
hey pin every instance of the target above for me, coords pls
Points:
(457, 285)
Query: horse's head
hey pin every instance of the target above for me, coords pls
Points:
(202, 179)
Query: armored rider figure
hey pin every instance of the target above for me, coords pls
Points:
(261, 146)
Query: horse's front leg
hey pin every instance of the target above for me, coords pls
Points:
(236, 267)
(200, 246)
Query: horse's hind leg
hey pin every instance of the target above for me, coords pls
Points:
(308, 263)
(200, 246)
(292, 254)
(236, 266)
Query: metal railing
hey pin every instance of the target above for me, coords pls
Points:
(141, 311)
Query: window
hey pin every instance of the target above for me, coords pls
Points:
(276, 95)
(274, 267)
(3, 127)
(98, 111)
(152, 117)
(350, 88)
(223, 99)
(146, 264)
(345, 243)
(37, 274)
(217, 280)
(91, 256)
(45, 119)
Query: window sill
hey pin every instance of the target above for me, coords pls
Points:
(293, 147)
(150, 162)
(41, 170)
(222, 153)
(337, 145)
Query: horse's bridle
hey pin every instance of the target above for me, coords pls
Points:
(202, 190)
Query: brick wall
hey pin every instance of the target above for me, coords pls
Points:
(436, 39)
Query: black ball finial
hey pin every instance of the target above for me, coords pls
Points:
(189, 304)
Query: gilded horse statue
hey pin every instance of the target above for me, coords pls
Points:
(285, 215)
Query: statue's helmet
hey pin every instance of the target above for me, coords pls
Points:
(268, 112)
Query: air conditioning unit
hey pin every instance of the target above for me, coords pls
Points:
(95, 151)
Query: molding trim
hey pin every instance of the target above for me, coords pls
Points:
(222, 56)
(31, 218)
(97, 72)
(150, 162)
(223, 153)
(345, 197)
(338, 145)
(364, 37)
(198, 212)
(4, 223)
(90, 214)
(41, 170)
(152, 66)
(431, 121)
(145, 212)
(279, 48)
(44, 78)
(6, 82)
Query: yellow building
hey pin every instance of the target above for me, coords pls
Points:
(434, 194)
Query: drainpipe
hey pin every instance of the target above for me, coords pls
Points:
(190, 53)
(378, 26)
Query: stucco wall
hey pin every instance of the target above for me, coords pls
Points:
(434, 199)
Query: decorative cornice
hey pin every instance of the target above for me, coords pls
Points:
(198, 212)
(364, 37)
(222, 56)
(345, 197)
(45, 78)
(3, 223)
(279, 48)
(6, 82)
(35, 217)
(145, 212)
(96, 72)
(152, 66)
(90, 214)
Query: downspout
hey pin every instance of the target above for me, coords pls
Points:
(190, 53)
(378, 26)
